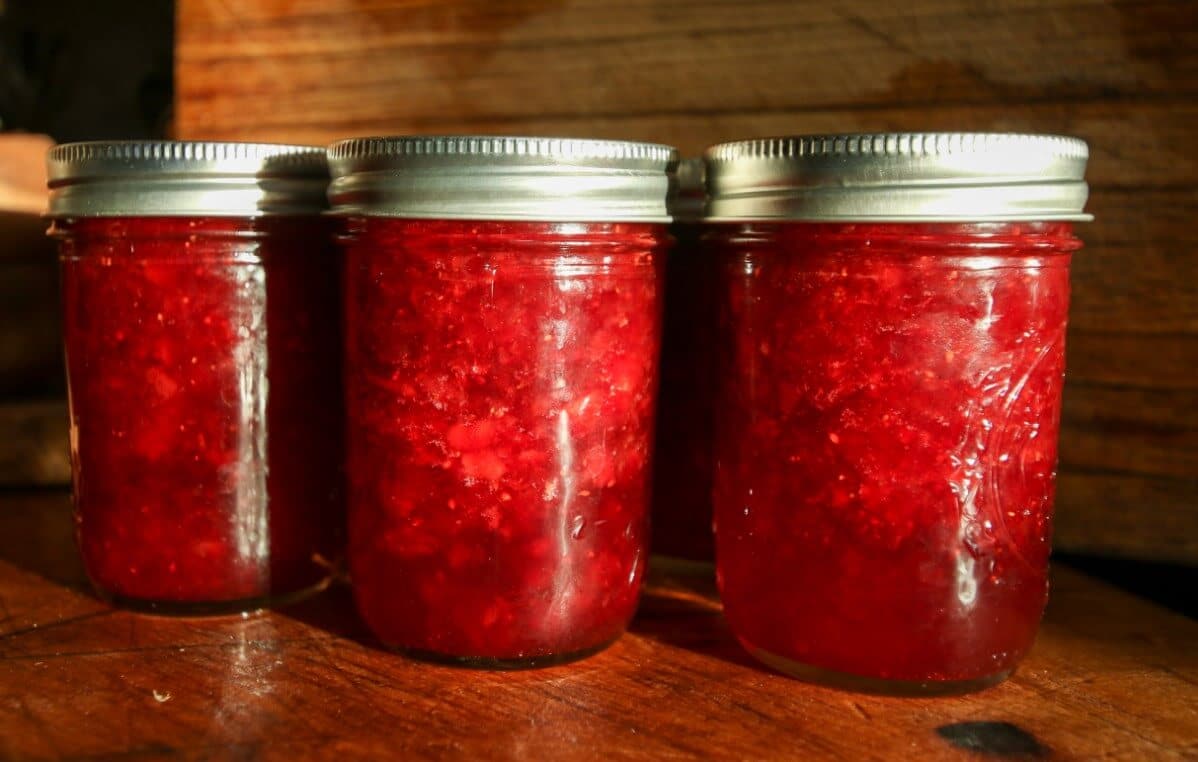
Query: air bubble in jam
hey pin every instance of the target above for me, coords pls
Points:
(500, 387)
(901, 500)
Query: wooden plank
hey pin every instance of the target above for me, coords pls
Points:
(408, 65)
(1127, 515)
(1165, 361)
(1137, 273)
(1110, 676)
(447, 22)
(1132, 143)
(1152, 432)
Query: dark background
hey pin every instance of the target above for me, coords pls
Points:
(79, 70)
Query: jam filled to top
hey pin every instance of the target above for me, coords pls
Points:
(887, 442)
(500, 386)
(205, 405)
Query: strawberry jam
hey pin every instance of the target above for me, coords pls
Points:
(888, 442)
(502, 332)
(892, 349)
(500, 386)
(202, 368)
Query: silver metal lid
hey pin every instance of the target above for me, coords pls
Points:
(184, 178)
(898, 177)
(502, 178)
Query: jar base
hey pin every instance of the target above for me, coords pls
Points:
(881, 686)
(241, 606)
(502, 663)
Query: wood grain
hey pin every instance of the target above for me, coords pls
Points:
(1127, 515)
(1133, 143)
(1110, 676)
(1123, 74)
(467, 62)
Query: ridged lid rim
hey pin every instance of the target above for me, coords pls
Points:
(501, 177)
(500, 148)
(899, 176)
(74, 159)
(898, 144)
(185, 178)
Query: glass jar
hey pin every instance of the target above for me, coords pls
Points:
(893, 313)
(202, 342)
(682, 460)
(502, 336)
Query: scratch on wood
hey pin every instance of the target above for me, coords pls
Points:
(12, 634)
(860, 710)
(203, 648)
(878, 33)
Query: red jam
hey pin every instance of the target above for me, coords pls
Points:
(682, 468)
(202, 368)
(500, 382)
(887, 443)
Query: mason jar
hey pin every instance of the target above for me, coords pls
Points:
(202, 343)
(502, 314)
(893, 312)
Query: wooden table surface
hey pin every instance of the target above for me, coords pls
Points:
(1110, 676)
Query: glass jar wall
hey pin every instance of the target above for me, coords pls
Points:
(888, 409)
(888, 425)
(501, 373)
(202, 338)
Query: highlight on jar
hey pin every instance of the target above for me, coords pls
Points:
(892, 332)
(502, 328)
(202, 337)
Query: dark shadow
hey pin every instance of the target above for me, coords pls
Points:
(680, 608)
(37, 534)
(332, 611)
(81, 70)
(1170, 585)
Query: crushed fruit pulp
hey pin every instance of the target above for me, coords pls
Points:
(500, 382)
(887, 442)
(205, 405)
